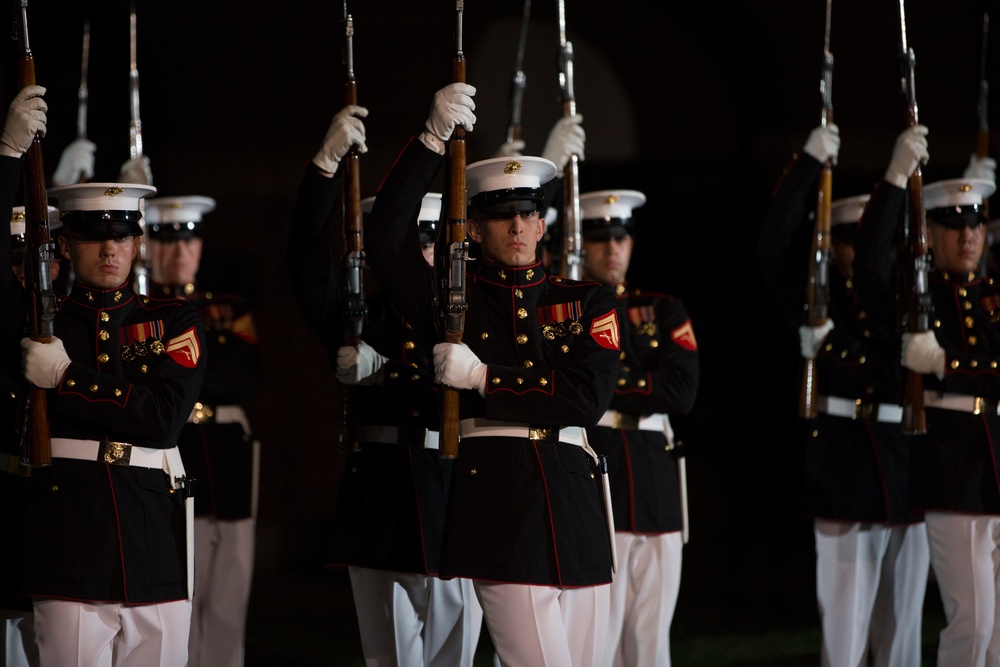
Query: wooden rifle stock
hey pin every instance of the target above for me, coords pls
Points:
(457, 249)
(818, 286)
(39, 253)
(571, 261)
(818, 293)
(354, 254)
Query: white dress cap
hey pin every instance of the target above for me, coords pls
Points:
(504, 173)
(177, 209)
(957, 192)
(100, 196)
(847, 210)
(17, 220)
(430, 207)
(610, 204)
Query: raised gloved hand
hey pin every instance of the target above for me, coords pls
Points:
(346, 130)
(359, 365)
(824, 143)
(811, 338)
(25, 118)
(136, 170)
(457, 366)
(565, 138)
(513, 148)
(923, 354)
(981, 167)
(452, 106)
(909, 153)
(44, 364)
(76, 164)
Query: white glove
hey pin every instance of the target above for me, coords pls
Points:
(44, 364)
(824, 143)
(811, 338)
(909, 153)
(76, 164)
(457, 366)
(25, 118)
(359, 365)
(923, 354)
(452, 106)
(136, 170)
(513, 148)
(565, 138)
(346, 130)
(981, 167)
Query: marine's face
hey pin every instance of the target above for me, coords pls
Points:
(607, 261)
(957, 250)
(175, 262)
(508, 241)
(100, 264)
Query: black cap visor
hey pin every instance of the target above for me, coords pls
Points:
(102, 225)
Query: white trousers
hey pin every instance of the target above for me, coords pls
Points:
(19, 648)
(643, 598)
(413, 619)
(870, 585)
(545, 626)
(110, 634)
(966, 560)
(223, 565)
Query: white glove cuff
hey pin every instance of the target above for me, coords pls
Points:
(327, 165)
(432, 142)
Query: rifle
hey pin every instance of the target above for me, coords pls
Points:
(818, 287)
(452, 267)
(915, 253)
(38, 257)
(140, 267)
(519, 82)
(82, 95)
(983, 136)
(571, 262)
(354, 254)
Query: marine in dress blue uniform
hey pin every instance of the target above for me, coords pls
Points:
(217, 444)
(389, 518)
(954, 467)
(658, 377)
(871, 553)
(105, 551)
(526, 517)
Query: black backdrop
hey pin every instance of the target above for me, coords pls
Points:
(699, 105)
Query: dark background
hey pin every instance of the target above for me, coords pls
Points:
(699, 105)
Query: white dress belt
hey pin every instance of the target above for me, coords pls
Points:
(120, 453)
(852, 409)
(960, 402)
(390, 435)
(488, 428)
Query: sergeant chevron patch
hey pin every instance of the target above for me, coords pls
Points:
(684, 336)
(604, 330)
(185, 349)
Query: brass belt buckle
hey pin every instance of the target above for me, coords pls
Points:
(627, 422)
(115, 453)
(978, 403)
(543, 434)
(864, 409)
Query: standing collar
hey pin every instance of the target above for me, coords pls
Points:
(104, 299)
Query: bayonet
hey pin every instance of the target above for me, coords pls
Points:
(81, 109)
(520, 81)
